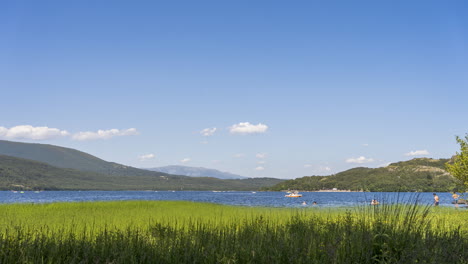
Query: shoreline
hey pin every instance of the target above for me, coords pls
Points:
(331, 190)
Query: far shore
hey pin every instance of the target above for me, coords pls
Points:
(336, 191)
(331, 190)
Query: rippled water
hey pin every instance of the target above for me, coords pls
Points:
(270, 199)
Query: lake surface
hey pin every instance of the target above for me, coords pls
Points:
(269, 199)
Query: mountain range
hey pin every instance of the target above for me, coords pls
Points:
(28, 166)
(31, 166)
(66, 158)
(196, 172)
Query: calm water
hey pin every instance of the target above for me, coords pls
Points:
(273, 199)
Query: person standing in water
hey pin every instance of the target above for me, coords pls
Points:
(455, 197)
(436, 199)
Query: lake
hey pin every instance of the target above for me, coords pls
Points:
(269, 199)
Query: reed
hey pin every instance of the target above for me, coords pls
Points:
(187, 232)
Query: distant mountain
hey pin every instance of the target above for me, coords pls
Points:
(421, 175)
(196, 172)
(68, 158)
(22, 174)
(38, 166)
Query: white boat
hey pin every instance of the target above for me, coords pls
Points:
(293, 194)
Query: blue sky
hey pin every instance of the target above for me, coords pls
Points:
(293, 88)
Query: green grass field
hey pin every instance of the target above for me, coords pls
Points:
(188, 232)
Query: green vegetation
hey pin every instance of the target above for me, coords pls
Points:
(21, 174)
(458, 166)
(187, 232)
(69, 158)
(417, 175)
(27, 166)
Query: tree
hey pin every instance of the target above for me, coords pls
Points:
(458, 165)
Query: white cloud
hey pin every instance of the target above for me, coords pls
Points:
(185, 160)
(244, 128)
(146, 157)
(208, 131)
(307, 166)
(360, 160)
(261, 162)
(365, 145)
(239, 155)
(261, 155)
(30, 132)
(41, 133)
(104, 134)
(259, 168)
(417, 153)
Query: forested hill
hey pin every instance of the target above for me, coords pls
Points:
(68, 158)
(421, 174)
(22, 174)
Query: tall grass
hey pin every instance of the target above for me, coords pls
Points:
(185, 232)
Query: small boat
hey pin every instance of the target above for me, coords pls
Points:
(294, 194)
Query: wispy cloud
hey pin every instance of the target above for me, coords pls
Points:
(245, 128)
(261, 162)
(417, 153)
(261, 155)
(360, 160)
(30, 132)
(208, 131)
(239, 155)
(259, 168)
(104, 134)
(146, 157)
(185, 160)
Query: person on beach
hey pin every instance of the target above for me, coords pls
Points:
(436, 199)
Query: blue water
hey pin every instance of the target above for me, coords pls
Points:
(269, 199)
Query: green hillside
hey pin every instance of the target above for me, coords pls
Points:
(22, 174)
(68, 158)
(422, 175)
